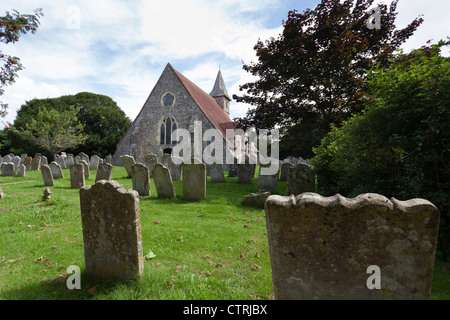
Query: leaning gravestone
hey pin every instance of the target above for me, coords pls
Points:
(8, 169)
(300, 179)
(111, 231)
(104, 171)
(84, 156)
(128, 162)
(163, 182)
(56, 170)
(36, 163)
(368, 247)
(256, 199)
(27, 163)
(77, 178)
(47, 176)
(150, 160)
(16, 161)
(21, 171)
(194, 181)
(141, 179)
(216, 172)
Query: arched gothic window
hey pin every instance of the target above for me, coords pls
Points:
(168, 126)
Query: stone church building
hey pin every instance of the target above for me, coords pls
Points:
(175, 102)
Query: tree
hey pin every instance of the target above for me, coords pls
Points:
(399, 146)
(54, 130)
(104, 123)
(11, 27)
(316, 69)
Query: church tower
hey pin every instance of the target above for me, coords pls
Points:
(220, 93)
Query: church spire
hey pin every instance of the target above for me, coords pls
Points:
(220, 93)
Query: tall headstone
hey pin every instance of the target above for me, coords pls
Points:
(23, 156)
(216, 172)
(163, 182)
(44, 161)
(368, 247)
(104, 171)
(93, 162)
(69, 161)
(36, 163)
(56, 170)
(300, 179)
(111, 231)
(150, 160)
(77, 178)
(47, 176)
(141, 179)
(194, 181)
(21, 171)
(86, 169)
(8, 169)
(84, 156)
(77, 159)
(16, 161)
(128, 162)
(27, 163)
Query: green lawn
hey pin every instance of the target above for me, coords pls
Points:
(214, 250)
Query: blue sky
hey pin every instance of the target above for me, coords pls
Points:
(120, 48)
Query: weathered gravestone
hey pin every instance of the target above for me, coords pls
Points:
(150, 160)
(285, 164)
(16, 161)
(21, 171)
(44, 161)
(84, 156)
(23, 156)
(56, 170)
(256, 199)
(27, 163)
(93, 162)
(267, 182)
(175, 167)
(69, 161)
(61, 161)
(111, 231)
(246, 172)
(104, 171)
(128, 162)
(194, 181)
(7, 158)
(368, 247)
(47, 175)
(232, 170)
(77, 159)
(77, 178)
(216, 172)
(163, 182)
(141, 179)
(87, 174)
(36, 163)
(300, 179)
(8, 169)
(109, 159)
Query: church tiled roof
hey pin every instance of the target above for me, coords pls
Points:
(209, 106)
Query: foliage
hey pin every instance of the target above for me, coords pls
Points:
(11, 28)
(54, 130)
(313, 75)
(400, 145)
(104, 123)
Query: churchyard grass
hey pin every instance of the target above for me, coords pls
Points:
(215, 249)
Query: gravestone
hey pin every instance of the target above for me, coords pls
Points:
(28, 161)
(84, 156)
(300, 179)
(69, 161)
(246, 172)
(109, 159)
(77, 178)
(104, 171)
(256, 199)
(7, 158)
(44, 161)
(194, 181)
(61, 161)
(36, 163)
(23, 156)
(47, 175)
(77, 159)
(150, 160)
(56, 170)
(267, 183)
(21, 171)
(8, 169)
(327, 247)
(128, 162)
(93, 162)
(163, 182)
(232, 170)
(285, 164)
(141, 179)
(216, 172)
(16, 161)
(87, 174)
(175, 169)
(111, 231)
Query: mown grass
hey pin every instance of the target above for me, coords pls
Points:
(216, 249)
